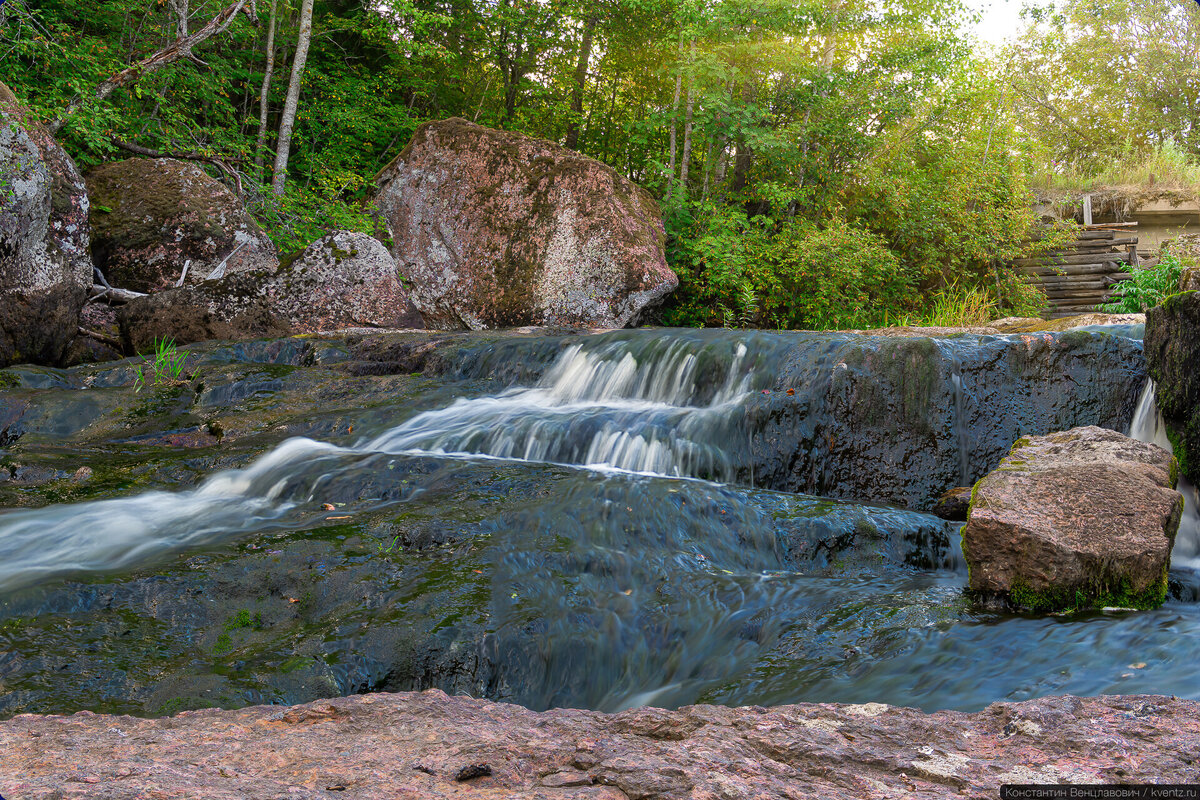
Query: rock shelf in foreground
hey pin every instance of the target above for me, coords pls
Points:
(431, 745)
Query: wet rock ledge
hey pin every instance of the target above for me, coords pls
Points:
(431, 745)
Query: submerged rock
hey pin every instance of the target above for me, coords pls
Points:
(342, 280)
(1173, 360)
(496, 229)
(1080, 519)
(430, 745)
(45, 268)
(151, 215)
(954, 504)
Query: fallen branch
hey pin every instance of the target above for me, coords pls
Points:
(114, 295)
(180, 49)
(103, 338)
(220, 162)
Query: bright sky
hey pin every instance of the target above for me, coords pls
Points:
(1000, 21)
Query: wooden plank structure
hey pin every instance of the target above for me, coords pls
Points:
(1079, 277)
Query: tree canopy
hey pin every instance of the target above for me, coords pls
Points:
(819, 162)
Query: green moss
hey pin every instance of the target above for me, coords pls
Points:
(8, 380)
(1100, 594)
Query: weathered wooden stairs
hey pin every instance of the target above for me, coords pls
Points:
(1080, 276)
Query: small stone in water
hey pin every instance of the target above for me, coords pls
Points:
(327, 506)
(1138, 665)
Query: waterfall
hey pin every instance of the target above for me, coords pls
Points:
(1148, 426)
(666, 410)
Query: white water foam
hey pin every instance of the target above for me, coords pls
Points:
(1148, 426)
(111, 534)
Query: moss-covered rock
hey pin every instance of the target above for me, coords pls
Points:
(1173, 360)
(151, 215)
(496, 229)
(1080, 519)
(45, 268)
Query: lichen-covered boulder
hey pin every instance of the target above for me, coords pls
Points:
(1080, 519)
(1189, 279)
(45, 268)
(496, 229)
(343, 280)
(1173, 361)
(151, 215)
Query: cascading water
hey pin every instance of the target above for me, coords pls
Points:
(1148, 426)
(646, 411)
(591, 538)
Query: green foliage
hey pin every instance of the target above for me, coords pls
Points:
(1147, 288)
(305, 213)
(736, 270)
(848, 163)
(835, 276)
(165, 369)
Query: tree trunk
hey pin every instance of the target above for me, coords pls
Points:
(686, 156)
(265, 94)
(581, 70)
(288, 120)
(181, 48)
(674, 117)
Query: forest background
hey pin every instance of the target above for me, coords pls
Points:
(820, 163)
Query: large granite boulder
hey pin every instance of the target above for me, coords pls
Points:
(495, 229)
(151, 215)
(343, 280)
(1173, 360)
(430, 745)
(45, 268)
(1080, 519)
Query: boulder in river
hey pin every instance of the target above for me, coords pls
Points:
(45, 268)
(497, 229)
(1080, 519)
(431, 745)
(343, 280)
(150, 216)
(1173, 360)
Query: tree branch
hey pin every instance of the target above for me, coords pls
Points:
(220, 162)
(181, 48)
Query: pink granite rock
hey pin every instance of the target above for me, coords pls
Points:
(429, 745)
(1080, 519)
(496, 229)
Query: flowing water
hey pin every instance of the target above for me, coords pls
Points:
(598, 535)
(1148, 426)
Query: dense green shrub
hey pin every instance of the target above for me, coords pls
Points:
(836, 276)
(1147, 288)
(736, 270)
